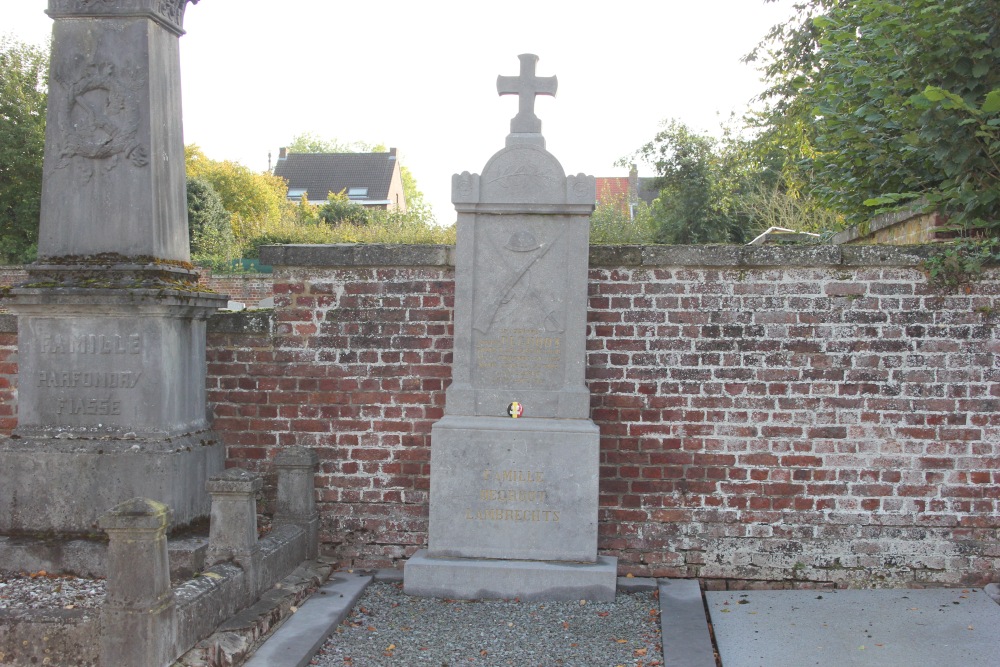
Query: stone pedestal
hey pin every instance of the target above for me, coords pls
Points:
(514, 463)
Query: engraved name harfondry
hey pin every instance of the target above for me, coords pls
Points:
(89, 379)
(512, 487)
(519, 356)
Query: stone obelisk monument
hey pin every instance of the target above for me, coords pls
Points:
(514, 462)
(111, 325)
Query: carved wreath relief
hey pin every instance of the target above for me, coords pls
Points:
(99, 117)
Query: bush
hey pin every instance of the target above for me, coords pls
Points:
(613, 224)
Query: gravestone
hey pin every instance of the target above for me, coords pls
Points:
(514, 461)
(111, 323)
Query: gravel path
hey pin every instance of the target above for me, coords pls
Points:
(387, 627)
(40, 590)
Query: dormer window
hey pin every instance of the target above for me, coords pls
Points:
(357, 193)
(296, 193)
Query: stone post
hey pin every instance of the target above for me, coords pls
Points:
(296, 505)
(138, 621)
(232, 534)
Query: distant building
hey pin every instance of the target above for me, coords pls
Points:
(626, 191)
(370, 179)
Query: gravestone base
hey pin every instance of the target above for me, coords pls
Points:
(514, 488)
(474, 579)
(56, 485)
(111, 398)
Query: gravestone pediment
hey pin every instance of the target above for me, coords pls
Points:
(523, 175)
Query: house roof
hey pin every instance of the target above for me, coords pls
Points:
(611, 188)
(319, 174)
(647, 189)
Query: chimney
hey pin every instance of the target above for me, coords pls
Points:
(283, 153)
(392, 153)
(633, 183)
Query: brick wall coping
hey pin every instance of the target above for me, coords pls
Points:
(721, 256)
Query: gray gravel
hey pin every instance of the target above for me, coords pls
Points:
(387, 627)
(41, 590)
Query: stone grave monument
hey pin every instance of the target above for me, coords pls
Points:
(514, 461)
(111, 325)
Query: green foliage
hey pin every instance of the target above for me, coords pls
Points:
(873, 102)
(612, 223)
(700, 180)
(958, 263)
(381, 227)
(307, 142)
(23, 96)
(254, 200)
(340, 209)
(209, 230)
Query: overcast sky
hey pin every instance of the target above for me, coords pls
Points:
(421, 76)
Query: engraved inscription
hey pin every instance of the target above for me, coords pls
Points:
(519, 357)
(526, 492)
(96, 380)
(92, 392)
(108, 405)
(91, 344)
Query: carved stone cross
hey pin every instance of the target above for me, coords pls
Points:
(526, 86)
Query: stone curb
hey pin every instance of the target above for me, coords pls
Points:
(300, 637)
(683, 622)
(684, 625)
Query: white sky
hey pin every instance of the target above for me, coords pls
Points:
(421, 76)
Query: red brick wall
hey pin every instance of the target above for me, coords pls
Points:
(780, 417)
(247, 288)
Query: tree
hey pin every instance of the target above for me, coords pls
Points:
(879, 101)
(253, 200)
(699, 179)
(23, 97)
(209, 229)
(307, 142)
(340, 209)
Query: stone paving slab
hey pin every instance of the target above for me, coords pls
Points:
(684, 628)
(296, 642)
(856, 628)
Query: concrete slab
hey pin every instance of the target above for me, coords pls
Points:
(472, 579)
(856, 628)
(684, 628)
(296, 642)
